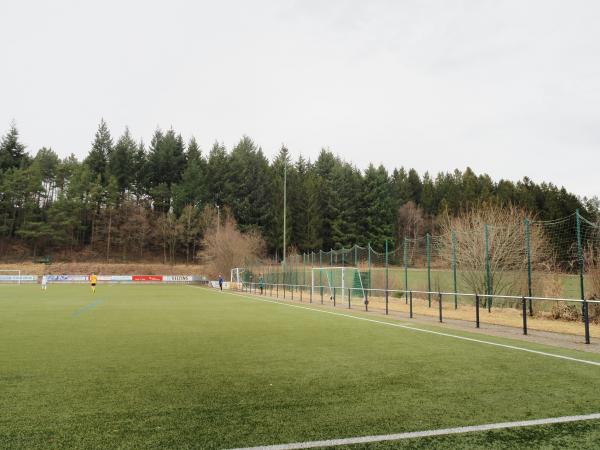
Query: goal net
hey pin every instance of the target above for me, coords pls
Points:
(236, 277)
(10, 276)
(337, 283)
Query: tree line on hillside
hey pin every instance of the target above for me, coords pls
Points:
(130, 200)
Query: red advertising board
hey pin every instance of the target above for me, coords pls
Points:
(147, 277)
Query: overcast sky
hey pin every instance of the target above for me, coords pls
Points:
(511, 88)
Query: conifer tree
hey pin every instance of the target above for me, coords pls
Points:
(12, 152)
(121, 162)
(97, 159)
(378, 213)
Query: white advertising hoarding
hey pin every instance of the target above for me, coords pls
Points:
(67, 278)
(15, 278)
(215, 284)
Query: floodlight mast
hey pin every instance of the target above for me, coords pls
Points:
(284, 203)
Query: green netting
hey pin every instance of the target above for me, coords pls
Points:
(557, 259)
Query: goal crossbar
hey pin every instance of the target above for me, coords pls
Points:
(10, 275)
(236, 277)
(336, 279)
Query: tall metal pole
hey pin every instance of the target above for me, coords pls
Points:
(284, 204)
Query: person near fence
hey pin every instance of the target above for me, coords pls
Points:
(220, 281)
(261, 283)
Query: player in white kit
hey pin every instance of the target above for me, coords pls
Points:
(44, 282)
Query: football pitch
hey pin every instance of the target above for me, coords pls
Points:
(189, 367)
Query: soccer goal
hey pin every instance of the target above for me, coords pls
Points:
(236, 277)
(337, 282)
(10, 276)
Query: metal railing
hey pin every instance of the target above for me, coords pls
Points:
(285, 290)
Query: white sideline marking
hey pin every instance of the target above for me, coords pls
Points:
(427, 433)
(409, 327)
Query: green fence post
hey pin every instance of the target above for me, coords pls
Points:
(343, 265)
(580, 254)
(331, 273)
(299, 271)
(355, 255)
(488, 272)
(304, 257)
(454, 270)
(370, 276)
(307, 261)
(312, 265)
(386, 276)
(428, 247)
(584, 309)
(405, 258)
(529, 274)
(321, 274)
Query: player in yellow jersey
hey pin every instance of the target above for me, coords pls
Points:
(93, 281)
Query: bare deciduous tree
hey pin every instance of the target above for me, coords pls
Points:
(411, 223)
(190, 230)
(140, 227)
(226, 247)
(506, 248)
(170, 232)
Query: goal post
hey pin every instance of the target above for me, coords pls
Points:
(343, 280)
(10, 276)
(236, 277)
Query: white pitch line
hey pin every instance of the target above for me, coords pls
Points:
(418, 434)
(409, 327)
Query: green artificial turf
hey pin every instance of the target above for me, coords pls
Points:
(579, 435)
(183, 367)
